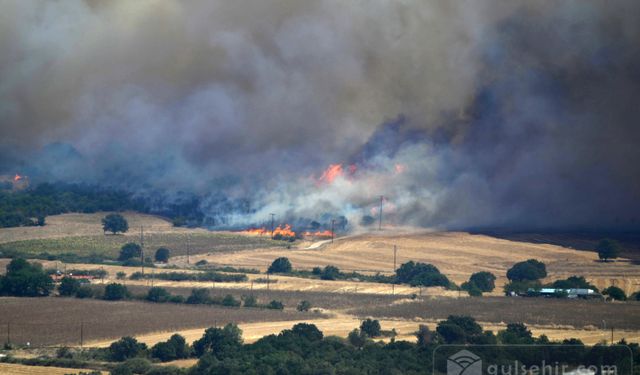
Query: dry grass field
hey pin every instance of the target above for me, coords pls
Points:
(57, 321)
(456, 254)
(17, 369)
(82, 234)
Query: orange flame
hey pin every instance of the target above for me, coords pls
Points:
(17, 177)
(284, 232)
(255, 231)
(325, 233)
(331, 173)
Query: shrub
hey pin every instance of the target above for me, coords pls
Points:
(228, 300)
(280, 265)
(125, 348)
(357, 338)
(471, 288)
(162, 255)
(84, 292)
(528, 270)
(68, 286)
(250, 301)
(370, 327)
(130, 250)
(219, 341)
(573, 282)
(176, 299)
(199, 296)
(275, 305)
(330, 273)
(121, 275)
(615, 293)
(115, 292)
(316, 271)
(307, 331)
(158, 294)
(202, 262)
(304, 306)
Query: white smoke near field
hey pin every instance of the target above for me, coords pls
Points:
(462, 114)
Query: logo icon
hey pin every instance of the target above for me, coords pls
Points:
(464, 363)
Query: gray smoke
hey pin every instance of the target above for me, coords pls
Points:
(462, 114)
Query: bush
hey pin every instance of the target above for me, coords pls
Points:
(162, 255)
(330, 273)
(316, 271)
(370, 327)
(275, 305)
(130, 250)
(219, 341)
(459, 330)
(84, 292)
(121, 275)
(114, 223)
(608, 249)
(228, 300)
(303, 306)
(250, 301)
(202, 262)
(357, 338)
(158, 294)
(528, 270)
(138, 365)
(176, 299)
(68, 286)
(115, 292)
(125, 348)
(615, 293)
(199, 296)
(307, 331)
(484, 281)
(280, 265)
(573, 282)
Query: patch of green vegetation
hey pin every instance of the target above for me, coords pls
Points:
(98, 247)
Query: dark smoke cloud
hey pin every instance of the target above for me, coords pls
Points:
(463, 114)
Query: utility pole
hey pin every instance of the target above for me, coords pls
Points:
(188, 246)
(333, 223)
(395, 252)
(380, 213)
(142, 247)
(272, 223)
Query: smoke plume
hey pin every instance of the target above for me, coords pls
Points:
(461, 114)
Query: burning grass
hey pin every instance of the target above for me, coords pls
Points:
(57, 321)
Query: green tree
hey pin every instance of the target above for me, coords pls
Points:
(24, 279)
(516, 334)
(370, 327)
(125, 348)
(114, 223)
(162, 255)
(115, 292)
(457, 329)
(471, 288)
(421, 274)
(307, 331)
(275, 305)
(528, 270)
(219, 341)
(130, 250)
(158, 294)
(424, 335)
(608, 249)
(68, 286)
(250, 301)
(357, 338)
(174, 348)
(228, 300)
(615, 293)
(280, 265)
(485, 281)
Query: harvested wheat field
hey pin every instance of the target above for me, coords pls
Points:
(17, 369)
(456, 254)
(56, 321)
